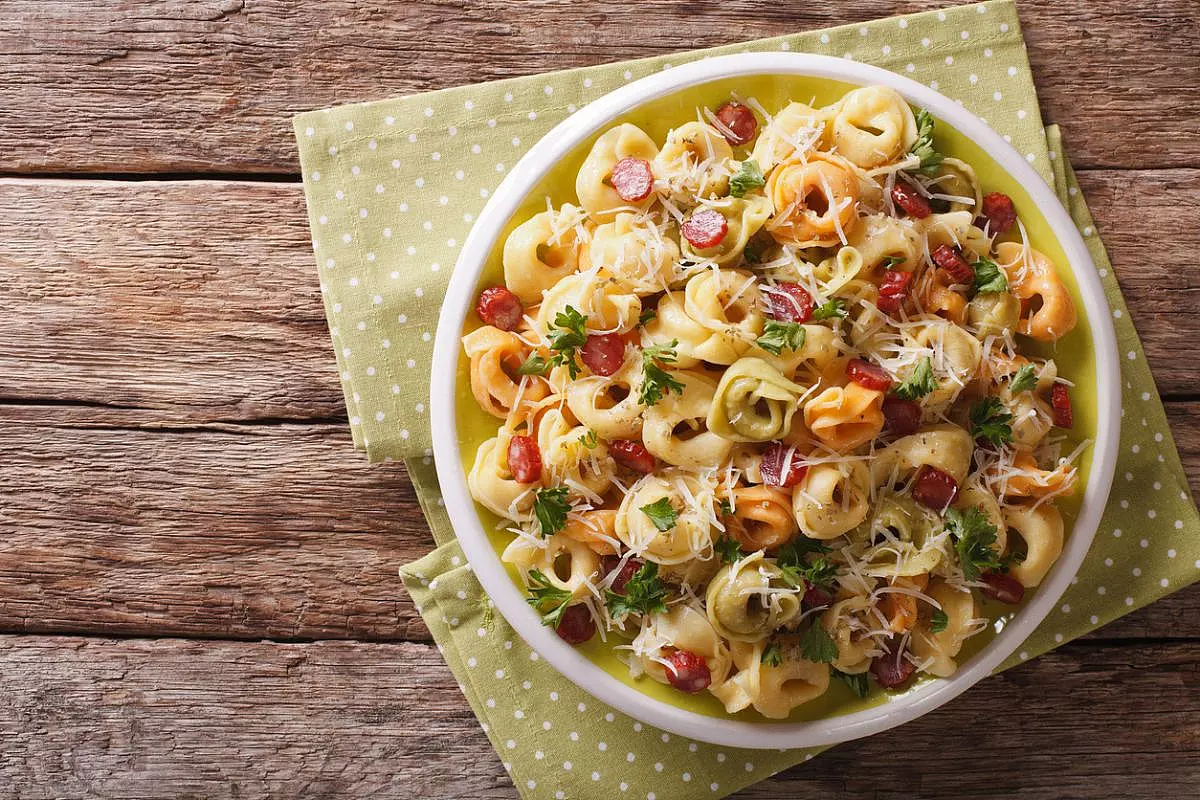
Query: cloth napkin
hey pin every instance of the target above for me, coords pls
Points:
(392, 189)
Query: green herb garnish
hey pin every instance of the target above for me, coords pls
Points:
(857, 683)
(534, 365)
(938, 621)
(778, 335)
(991, 422)
(589, 439)
(920, 383)
(923, 148)
(656, 381)
(550, 507)
(728, 549)
(549, 600)
(989, 278)
(800, 573)
(1024, 380)
(748, 177)
(835, 308)
(772, 656)
(566, 336)
(644, 594)
(817, 645)
(661, 513)
(974, 538)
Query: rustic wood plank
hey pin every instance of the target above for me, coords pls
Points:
(181, 86)
(123, 522)
(148, 719)
(211, 308)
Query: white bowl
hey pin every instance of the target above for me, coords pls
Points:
(508, 597)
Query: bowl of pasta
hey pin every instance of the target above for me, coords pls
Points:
(775, 399)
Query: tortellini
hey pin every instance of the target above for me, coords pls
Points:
(592, 185)
(753, 402)
(751, 422)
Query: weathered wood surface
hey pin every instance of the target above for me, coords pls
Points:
(209, 85)
(200, 297)
(122, 522)
(174, 718)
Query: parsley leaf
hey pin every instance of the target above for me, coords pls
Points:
(726, 508)
(989, 278)
(647, 316)
(974, 537)
(890, 262)
(549, 600)
(728, 549)
(661, 514)
(938, 621)
(550, 506)
(749, 176)
(991, 422)
(656, 381)
(644, 594)
(835, 308)
(779, 335)
(1024, 380)
(534, 365)
(817, 645)
(920, 383)
(772, 656)
(857, 683)
(800, 573)
(568, 338)
(589, 439)
(922, 148)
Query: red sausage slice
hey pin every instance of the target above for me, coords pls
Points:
(869, 375)
(892, 290)
(892, 669)
(524, 459)
(740, 122)
(933, 488)
(499, 307)
(632, 454)
(576, 625)
(901, 416)
(1004, 588)
(909, 199)
(782, 465)
(603, 353)
(688, 672)
(1060, 401)
(788, 302)
(632, 179)
(705, 228)
(951, 260)
(999, 211)
(609, 563)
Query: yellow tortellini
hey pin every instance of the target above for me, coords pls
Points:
(831, 499)
(749, 599)
(793, 132)
(541, 251)
(674, 429)
(880, 239)
(873, 126)
(608, 304)
(695, 162)
(753, 403)
(686, 628)
(592, 184)
(901, 540)
(568, 459)
(773, 690)
(743, 218)
(847, 622)
(727, 304)
(691, 534)
(491, 482)
(636, 253)
(567, 564)
(609, 405)
(940, 648)
(1040, 528)
(945, 446)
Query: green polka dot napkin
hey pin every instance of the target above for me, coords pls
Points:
(393, 188)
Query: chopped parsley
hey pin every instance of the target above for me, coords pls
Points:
(991, 422)
(938, 621)
(817, 645)
(920, 383)
(1024, 380)
(800, 573)
(549, 600)
(661, 513)
(726, 508)
(772, 656)
(974, 540)
(728, 549)
(857, 683)
(656, 381)
(534, 365)
(923, 148)
(989, 278)
(644, 594)
(566, 336)
(778, 335)
(749, 176)
(589, 439)
(646, 317)
(891, 261)
(550, 507)
(834, 309)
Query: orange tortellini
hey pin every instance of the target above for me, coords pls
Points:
(760, 418)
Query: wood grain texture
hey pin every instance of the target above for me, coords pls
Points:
(168, 718)
(200, 298)
(123, 522)
(209, 85)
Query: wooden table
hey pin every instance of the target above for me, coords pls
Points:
(198, 591)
